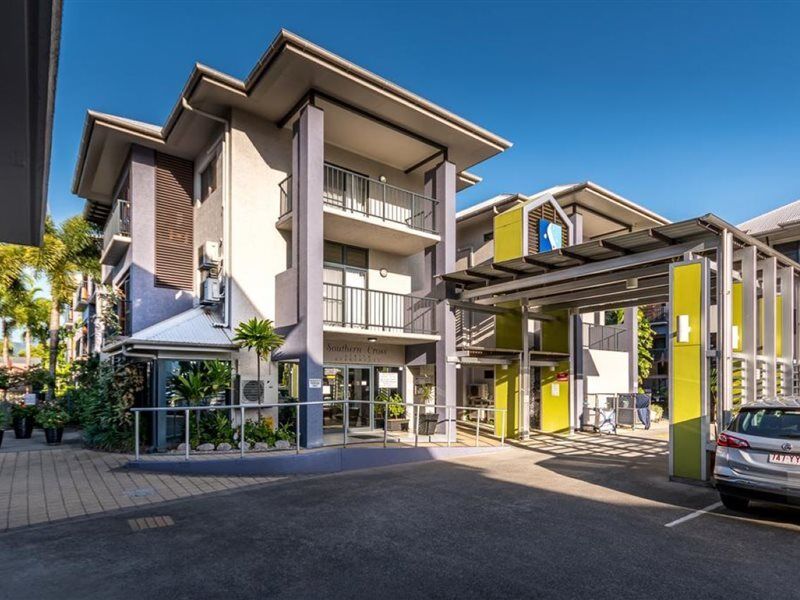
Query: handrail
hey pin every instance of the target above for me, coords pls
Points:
(137, 410)
(362, 308)
(119, 221)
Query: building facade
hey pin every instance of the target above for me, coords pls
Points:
(314, 194)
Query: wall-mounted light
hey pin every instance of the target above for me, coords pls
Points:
(382, 178)
(632, 283)
(384, 272)
(683, 328)
(735, 336)
(372, 340)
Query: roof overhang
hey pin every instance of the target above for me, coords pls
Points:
(30, 32)
(395, 125)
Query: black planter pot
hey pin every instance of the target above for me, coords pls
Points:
(23, 427)
(53, 435)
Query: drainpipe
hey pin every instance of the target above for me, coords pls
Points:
(226, 195)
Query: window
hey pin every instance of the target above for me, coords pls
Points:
(768, 422)
(208, 179)
(488, 237)
(349, 256)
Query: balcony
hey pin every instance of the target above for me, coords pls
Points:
(117, 233)
(603, 337)
(389, 218)
(80, 298)
(372, 311)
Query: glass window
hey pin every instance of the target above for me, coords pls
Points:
(350, 256)
(768, 422)
(208, 179)
(488, 237)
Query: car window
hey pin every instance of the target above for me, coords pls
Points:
(768, 422)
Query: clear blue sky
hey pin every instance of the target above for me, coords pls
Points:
(686, 108)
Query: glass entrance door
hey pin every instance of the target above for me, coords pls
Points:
(333, 389)
(359, 390)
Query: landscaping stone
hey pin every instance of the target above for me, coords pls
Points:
(181, 447)
(224, 447)
(261, 446)
(246, 446)
(282, 445)
(205, 448)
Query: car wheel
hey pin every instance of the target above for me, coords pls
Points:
(734, 502)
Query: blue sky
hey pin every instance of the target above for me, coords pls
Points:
(686, 108)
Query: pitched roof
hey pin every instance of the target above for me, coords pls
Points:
(501, 198)
(195, 327)
(783, 216)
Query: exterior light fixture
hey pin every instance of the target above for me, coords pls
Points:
(735, 336)
(384, 272)
(632, 283)
(382, 178)
(372, 340)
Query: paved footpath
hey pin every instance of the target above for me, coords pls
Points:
(41, 484)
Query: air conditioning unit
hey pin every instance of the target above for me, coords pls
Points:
(209, 255)
(210, 291)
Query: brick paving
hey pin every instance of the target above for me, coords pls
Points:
(41, 484)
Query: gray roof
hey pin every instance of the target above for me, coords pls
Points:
(774, 220)
(198, 326)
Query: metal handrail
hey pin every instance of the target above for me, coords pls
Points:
(362, 308)
(119, 221)
(609, 338)
(356, 193)
(285, 187)
(345, 405)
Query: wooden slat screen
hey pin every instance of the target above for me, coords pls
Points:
(174, 223)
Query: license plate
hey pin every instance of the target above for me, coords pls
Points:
(784, 459)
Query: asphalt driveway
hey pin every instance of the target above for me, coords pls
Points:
(561, 520)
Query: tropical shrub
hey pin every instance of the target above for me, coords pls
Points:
(394, 403)
(286, 433)
(261, 430)
(103, 401)
(21, 411)
(212, 427)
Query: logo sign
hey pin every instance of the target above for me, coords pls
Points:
(314, 384)
(562, 376)
(549, 235)
(786, 447)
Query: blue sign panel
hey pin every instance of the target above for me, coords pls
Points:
(549, 235)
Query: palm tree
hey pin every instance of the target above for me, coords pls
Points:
(67, 251)
(12, 301)
(31, 314)
(259, 335)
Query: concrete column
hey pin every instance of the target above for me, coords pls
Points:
(578, 388)
(631, 344)
(308, 158)
(577, 228)
(786, 276)
(440, 183)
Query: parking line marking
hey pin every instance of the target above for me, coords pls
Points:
(695, 514)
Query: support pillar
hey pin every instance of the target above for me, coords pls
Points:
(308, 158)
(786, 353)
(749, 319)
(631, 326)
(440, 183)
(769, 345)
(724, 329)
(525, 378)
(688, 370)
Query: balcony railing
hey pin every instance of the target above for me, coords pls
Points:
(286, 196)
(359, 308)
(603, 337)
(119, 222)
(356, 193)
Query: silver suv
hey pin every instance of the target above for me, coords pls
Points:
(758, 456)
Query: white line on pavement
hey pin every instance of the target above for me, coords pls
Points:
(695, 514)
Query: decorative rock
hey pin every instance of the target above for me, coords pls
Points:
(246, 446)
(224, 447)
(205, 448)
(282, 445)
(261, 446)
(181, 448)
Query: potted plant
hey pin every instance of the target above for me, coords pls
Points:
(22, 417)
(394, 405)
(52, 418)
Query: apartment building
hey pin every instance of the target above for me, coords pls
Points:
(312, 193)
(605, 361)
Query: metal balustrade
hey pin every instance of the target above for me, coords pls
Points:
(603, 337)
(360, 308)
(355, 193)
(286, 196)
(119, 222)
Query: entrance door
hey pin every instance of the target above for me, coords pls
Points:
(359, 390)
(333, 389)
